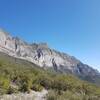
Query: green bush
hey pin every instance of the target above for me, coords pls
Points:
(4, 85)
(36, 87)
(12, 90)
(45, 81)
(25, 84)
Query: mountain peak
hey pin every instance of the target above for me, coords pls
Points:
(2, 31)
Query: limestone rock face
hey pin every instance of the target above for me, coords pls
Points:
(45, 57)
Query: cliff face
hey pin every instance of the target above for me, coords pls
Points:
(43, 56)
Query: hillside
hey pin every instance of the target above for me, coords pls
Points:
(22, 76)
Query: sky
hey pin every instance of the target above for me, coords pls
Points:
(70, 26)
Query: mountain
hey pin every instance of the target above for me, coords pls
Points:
(23, 80)
(41, 55)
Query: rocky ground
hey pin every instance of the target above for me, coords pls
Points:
(25, 96)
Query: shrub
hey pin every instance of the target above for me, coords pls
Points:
(46, 81)
(25, 84)
(52, 95)
(12, 90)
(37, 87)
(4, 84)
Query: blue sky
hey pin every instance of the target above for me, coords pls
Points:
(70, 26)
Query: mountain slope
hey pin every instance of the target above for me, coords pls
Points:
(46, 58)
(18, 75)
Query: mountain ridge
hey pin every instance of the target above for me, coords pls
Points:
(45, 57)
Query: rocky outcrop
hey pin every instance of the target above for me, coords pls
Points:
(43, 56)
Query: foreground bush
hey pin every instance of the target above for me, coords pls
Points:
(4, 84)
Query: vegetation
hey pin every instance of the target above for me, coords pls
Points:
(18, 75)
